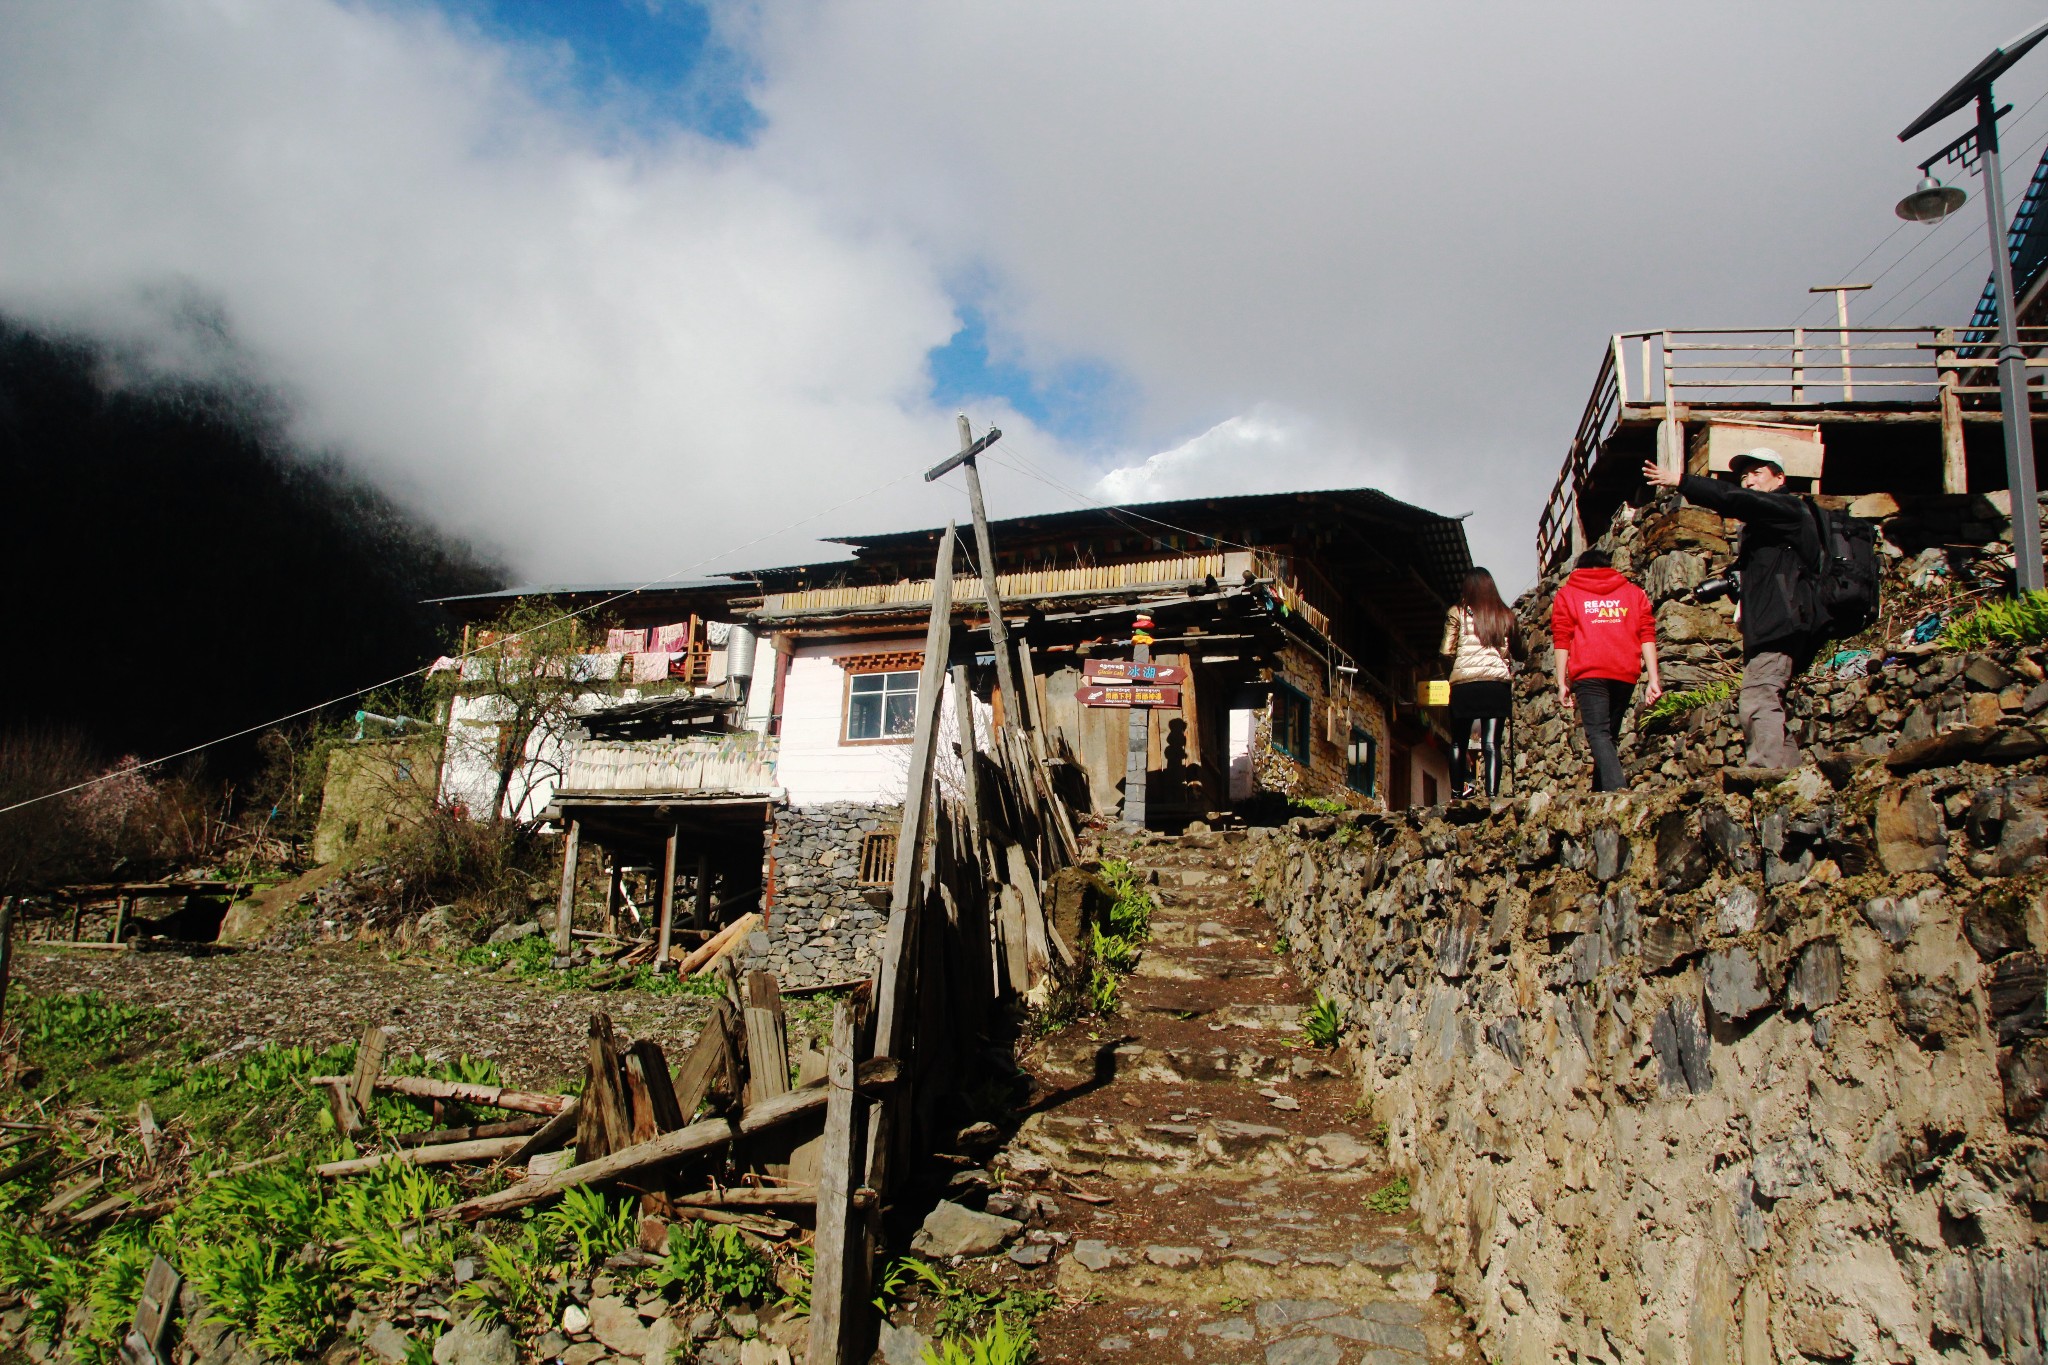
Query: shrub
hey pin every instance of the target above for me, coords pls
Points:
(1674, 704)
(1391, 1197)
(1322, 1024)
(712, 1264)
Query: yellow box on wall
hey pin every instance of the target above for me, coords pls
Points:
(1436, 692)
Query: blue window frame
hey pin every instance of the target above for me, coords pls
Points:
(1290, 722)
(1362, 762)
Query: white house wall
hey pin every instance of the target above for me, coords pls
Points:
(816, 768)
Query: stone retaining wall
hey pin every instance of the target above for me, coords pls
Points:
(1694, 1074)
(823, 925)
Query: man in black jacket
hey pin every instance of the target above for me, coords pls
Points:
(1776, 558)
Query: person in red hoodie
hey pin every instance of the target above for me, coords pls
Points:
(1605, 637)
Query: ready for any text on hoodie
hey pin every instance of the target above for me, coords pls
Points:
(1602, 621)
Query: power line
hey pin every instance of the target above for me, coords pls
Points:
(467, 654)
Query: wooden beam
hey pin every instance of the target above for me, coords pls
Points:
(565, 907)
(767, 1040)
(707, 1070)
(606, 1124)
(668, 897)
(843, 1265)
(718, 945)
(369, 1066)
(696, 1137)
(557, 1133)
(442, 1154)
(490, 1096)
(475, 1132)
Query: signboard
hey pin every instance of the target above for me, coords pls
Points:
(1123, 670)
(1128, 694)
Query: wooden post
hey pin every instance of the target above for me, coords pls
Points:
(565, 907)
(1955, 465)
(1799, 364)
(767, 1040)
(1137, 752)
(700, 915)
(896, 974)
(613, 893)
(668, 897)
(963, 720)
(6, 949)
(604, 1123)
(998, 628)
(1620, 373)
(122, 907)
(839, 1279)
(369, 1066)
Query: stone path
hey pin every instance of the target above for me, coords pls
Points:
(1209, 1169)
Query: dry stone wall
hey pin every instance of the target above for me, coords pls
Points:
(823, 926)
(1705, 1074)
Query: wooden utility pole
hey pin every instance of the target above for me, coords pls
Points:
(668, 898)
(565, 908)
(1016, 713)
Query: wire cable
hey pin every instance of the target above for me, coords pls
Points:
(467, 654)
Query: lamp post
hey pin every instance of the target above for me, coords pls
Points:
(1933, 201)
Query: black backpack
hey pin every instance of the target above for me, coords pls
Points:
(1844, 585)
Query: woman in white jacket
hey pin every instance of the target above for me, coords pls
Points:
(1482, 640)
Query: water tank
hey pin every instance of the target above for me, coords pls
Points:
(739, 654)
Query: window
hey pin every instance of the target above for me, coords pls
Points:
(881, 705)
(1362, 762)
(878, 859)
(1290, 722)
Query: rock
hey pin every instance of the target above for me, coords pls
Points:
(900, 1345)
(1375, 1326)
(617, 1324)
(1340, 1151)
(1781, 1168)
(1910, 834)
(1667, 941)
(1681, 860)
(1031, 1253)
(1816, 979)
(1258, 1255)
(2022, 843)
(1986, 674)
(575, 1318)
(2024, 1074)
(1735, 983)
(585, 1353)
(1235, 1330)
(1684, 622)
(1735, 909)
(1393, 1255)
(1941, 750)
(1684, 1051)
(2018, 997)
(1090, 1254)
(1317, 1350)
(758, 1352)
(1277, 1314)
(512, 933)
(470, 1342)
(663, 1339)
(549, 1345)
(1894, 920)
(1173, 1258)
(1730, 840)
(387, 1343)
(1996, 922)
(955, 1230)
(1610, 853)
(1931, 1012)
(1414, 1285)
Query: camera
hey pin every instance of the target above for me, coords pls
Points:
(1714, 589)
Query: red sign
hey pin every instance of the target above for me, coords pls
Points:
(1128, 695)
(1123, 670)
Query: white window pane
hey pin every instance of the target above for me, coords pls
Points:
(901, 717)
(864, 717)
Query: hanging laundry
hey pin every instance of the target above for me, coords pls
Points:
(596, 667)
(625, 641)
(672, 638)
(651, 665)
(444, 664)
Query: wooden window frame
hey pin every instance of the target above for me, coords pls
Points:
(1283, 693)
(846, 707)
(877, 859)
(1371, 764)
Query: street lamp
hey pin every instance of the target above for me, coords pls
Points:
(1933, 201)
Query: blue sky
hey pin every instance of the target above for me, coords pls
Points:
(651, 65)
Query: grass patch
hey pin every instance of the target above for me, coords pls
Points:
(531, 959)
(2005, 621)
(974, 1326)
(1391, 1197)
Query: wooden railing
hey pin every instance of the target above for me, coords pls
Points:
(1661, 372)
(741, 763)
(1176, 571)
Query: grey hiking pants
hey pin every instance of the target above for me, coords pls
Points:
(1765, 676)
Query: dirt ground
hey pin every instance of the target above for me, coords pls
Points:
(237, 1000)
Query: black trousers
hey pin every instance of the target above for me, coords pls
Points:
(1603, 704)
(1492, 730)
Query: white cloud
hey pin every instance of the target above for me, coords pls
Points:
(1347, 244)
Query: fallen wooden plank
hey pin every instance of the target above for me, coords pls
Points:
(746, 1197)
(697, 1137)
(369, 1066)
(100, 1210)
(557, 1133)
(490, 1096)
(473, 1133)
(767, 1040)
(760, 1224)
(708, 1072)
(719, 944)
(64, 1199)
(605, 1124)
(482, 1149)
(144, 1342)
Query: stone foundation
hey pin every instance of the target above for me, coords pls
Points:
(1706, 1075)
(823, 926)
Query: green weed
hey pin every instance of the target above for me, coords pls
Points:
(1319, 805)
(1391, 1197)
(532, 959)
(1130, 914)
(1675, 704)
(2006, 621)
(592, 1223)
(1322, 1024)
(712, 1264)
(1002, 1344)
(963, 1309)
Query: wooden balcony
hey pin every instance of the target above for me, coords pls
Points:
(737, 764)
